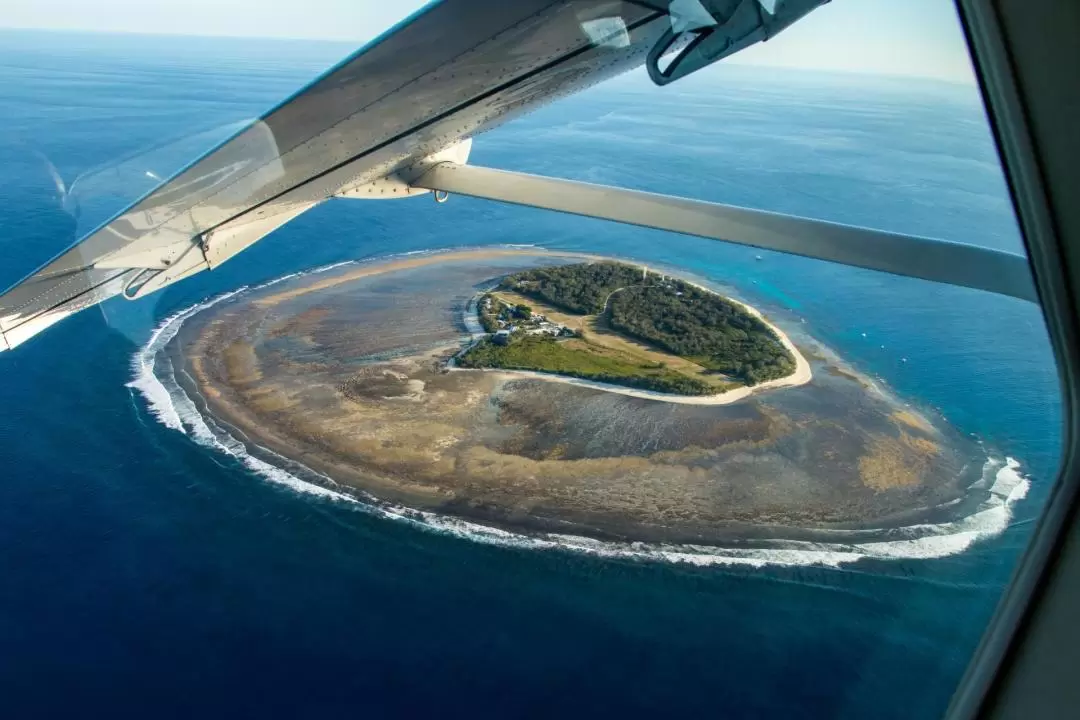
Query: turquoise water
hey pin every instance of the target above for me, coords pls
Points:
(148, 575)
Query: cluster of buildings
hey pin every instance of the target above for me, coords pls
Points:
(511, 319)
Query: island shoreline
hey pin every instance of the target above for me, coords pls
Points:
(800, 376)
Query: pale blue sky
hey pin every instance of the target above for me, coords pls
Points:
(897, 37)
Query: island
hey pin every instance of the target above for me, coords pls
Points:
(561, 393)
(616, 323)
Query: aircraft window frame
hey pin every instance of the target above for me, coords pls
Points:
(993, 35)
(1016, 129)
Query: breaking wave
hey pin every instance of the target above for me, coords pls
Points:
(155, 379)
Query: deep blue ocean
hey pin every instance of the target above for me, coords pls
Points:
(142, 575)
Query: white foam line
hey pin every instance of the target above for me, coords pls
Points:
(142, 364)
(160, 399)
(172, 407)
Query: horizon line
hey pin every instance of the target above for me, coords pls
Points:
(358, 44)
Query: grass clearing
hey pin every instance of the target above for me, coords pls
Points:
(581, 359)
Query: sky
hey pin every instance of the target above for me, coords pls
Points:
(920, 38)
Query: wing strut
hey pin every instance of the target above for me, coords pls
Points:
(925, 258)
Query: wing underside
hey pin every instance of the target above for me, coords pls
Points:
(397, 117)
(455, 70)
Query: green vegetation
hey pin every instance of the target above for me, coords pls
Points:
(702, 327)
(666, 312)
(487, 310)
(581, 289)
(545, 354)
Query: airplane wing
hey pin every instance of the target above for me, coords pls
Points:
(397, 118)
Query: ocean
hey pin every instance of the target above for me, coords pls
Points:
(145, 574)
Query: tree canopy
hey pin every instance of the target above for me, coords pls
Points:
(667, 312)
(580, 289)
